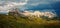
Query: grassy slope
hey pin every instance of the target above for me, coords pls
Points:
(10, 21)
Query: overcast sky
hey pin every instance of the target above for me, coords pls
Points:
(26, 4)
(7, 4)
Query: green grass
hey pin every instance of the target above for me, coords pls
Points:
(10, 21)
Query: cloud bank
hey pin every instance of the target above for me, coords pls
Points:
(25, 4)
(39, 14)
(6, 5)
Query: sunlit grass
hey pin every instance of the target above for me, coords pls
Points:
(10, 21)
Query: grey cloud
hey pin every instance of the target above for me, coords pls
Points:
(10, 4)
(37, 2)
